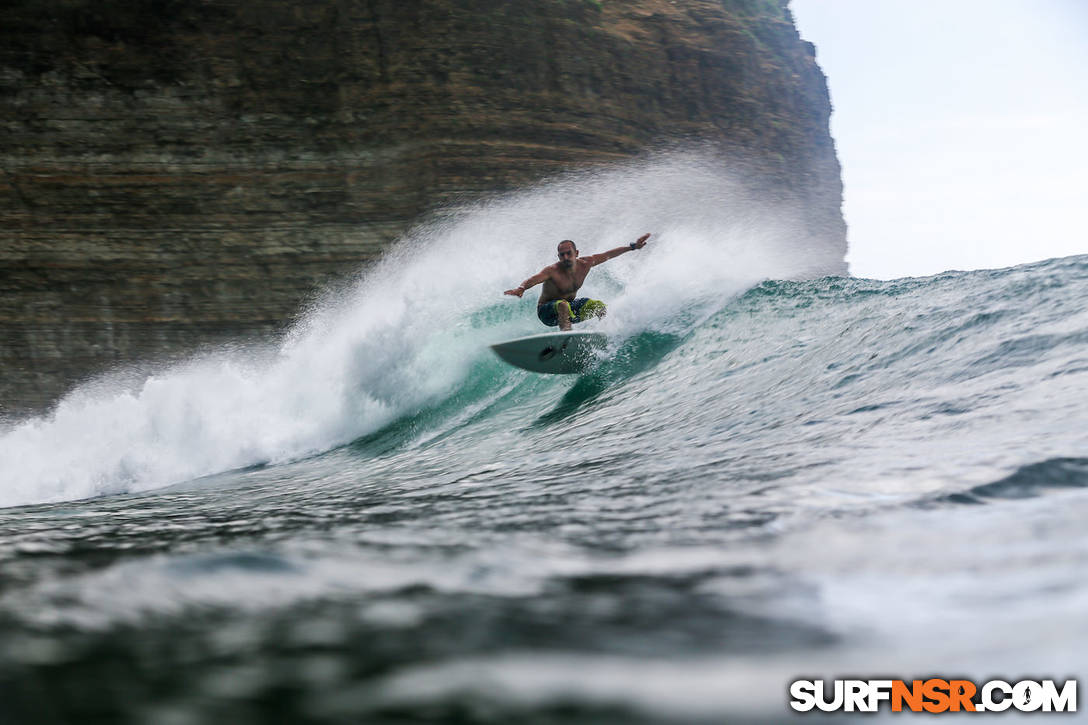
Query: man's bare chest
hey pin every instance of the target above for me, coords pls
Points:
(568, 281)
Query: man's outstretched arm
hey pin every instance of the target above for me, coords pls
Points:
(595, 259)
(531, 282)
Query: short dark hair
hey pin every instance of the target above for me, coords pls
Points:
(567, 241)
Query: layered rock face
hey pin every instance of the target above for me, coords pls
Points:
(181, 172)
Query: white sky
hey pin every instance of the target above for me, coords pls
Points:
(961, 126)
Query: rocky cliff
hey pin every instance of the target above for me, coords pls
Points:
(180, 172)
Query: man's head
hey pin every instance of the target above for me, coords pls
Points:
(568, 252)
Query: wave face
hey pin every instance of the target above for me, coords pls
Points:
(412, 331)
(773, 471)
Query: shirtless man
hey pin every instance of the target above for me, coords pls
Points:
(557, 304)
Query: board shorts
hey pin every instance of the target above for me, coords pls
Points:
(581, 310)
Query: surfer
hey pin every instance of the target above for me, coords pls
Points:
(557, 304)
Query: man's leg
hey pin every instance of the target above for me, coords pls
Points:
(562, 308)
(585, 307)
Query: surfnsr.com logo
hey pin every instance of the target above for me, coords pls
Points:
(933, 695)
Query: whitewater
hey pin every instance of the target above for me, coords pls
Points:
(774, 471)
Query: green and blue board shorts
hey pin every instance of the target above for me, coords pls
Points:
(581, 310)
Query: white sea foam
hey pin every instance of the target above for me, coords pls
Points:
(409, 329)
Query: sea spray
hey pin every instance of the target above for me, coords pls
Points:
(407, 332)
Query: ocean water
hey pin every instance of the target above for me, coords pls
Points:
(774, 472)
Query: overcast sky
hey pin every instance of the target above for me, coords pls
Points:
(961, 126)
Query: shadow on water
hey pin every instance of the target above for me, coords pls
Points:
(636, 355)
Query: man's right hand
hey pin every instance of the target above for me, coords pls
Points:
(516, 292)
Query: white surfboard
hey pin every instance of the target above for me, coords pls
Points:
(553, 352)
